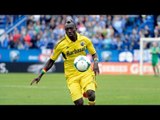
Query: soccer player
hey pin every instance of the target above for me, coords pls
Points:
(80, 84)
(155, 58)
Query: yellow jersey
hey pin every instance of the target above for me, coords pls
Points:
(70, 50)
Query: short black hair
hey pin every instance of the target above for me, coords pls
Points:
(70, 22)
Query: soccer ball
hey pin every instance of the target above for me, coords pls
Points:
(82, 63)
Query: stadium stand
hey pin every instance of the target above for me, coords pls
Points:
(116, 32)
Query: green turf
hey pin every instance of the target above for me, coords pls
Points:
(15, 89)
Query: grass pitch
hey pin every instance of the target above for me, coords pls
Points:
(15, 89)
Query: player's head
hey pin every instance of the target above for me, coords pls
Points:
(155, 44)
(70, 27)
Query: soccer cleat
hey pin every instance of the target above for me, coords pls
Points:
(91, 103)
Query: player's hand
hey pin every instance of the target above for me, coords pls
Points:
(96, 68)
(35, 80)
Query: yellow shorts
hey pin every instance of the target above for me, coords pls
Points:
(79, 84)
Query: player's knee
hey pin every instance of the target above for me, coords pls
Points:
(79, 102)
(91, 95)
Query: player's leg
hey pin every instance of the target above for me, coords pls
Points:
(157, 69)
(88, 83)
(154, 68)
(91, 96)
(79, 101)
(75, 90)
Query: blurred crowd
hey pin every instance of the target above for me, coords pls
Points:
(107, 32)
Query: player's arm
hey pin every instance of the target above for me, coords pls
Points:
(157, 50)
(92, 51)
(47, 66)
(95, 64)
(151, 51)
(56, 52)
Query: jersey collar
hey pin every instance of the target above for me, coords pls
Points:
(78, 36)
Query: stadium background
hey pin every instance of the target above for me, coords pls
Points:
(26, 42)
(29, 39)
